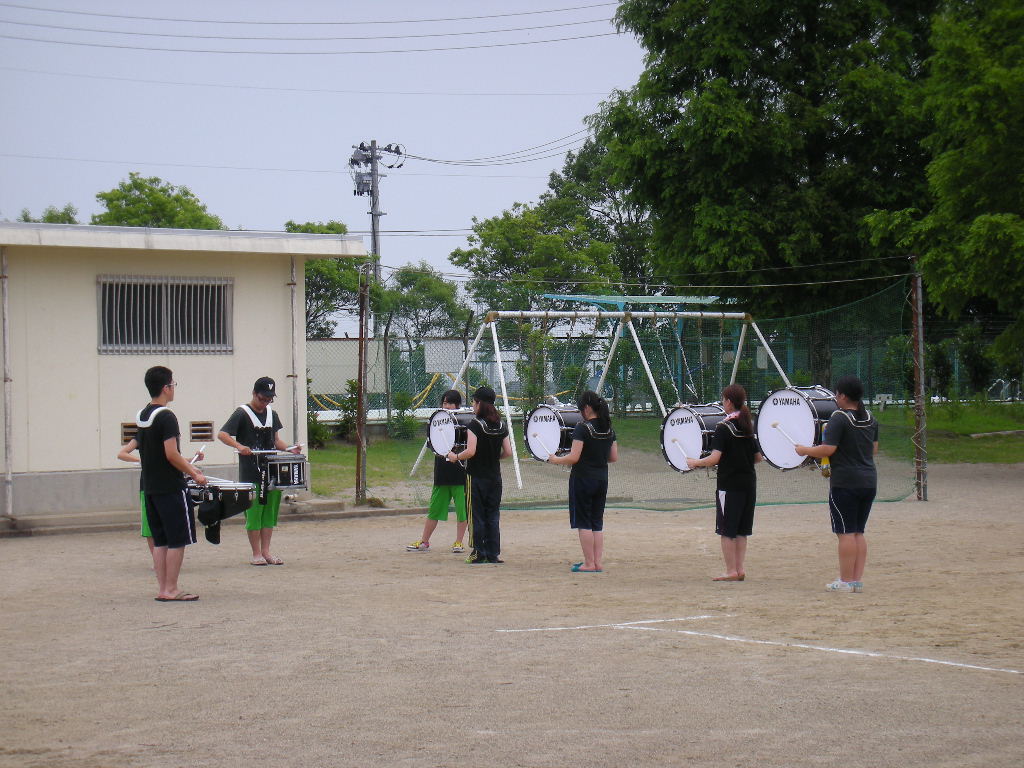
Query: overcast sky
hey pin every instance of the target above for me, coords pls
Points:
(265, 137)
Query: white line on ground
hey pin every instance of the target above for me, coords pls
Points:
(622, 624)
(805, 646)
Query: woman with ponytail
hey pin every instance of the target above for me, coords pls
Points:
(735, 451)
(487, 444)
(593, 447)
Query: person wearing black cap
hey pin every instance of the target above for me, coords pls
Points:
(486, 444)
(254, 426)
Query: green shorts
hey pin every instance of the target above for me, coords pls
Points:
(440, 498)
(145, 523)
(260, 516)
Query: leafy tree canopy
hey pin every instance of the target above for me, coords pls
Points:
(530, 250)
(761, 133)
(52, 215)
(151, 202)
(332, 285)
(421, 303)
(971, 237)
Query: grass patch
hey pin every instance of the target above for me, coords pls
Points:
(950, 426)
(333, 467)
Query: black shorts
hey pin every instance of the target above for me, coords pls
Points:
(734, 513)
(849, 509)
(587, 496)
(171, 519)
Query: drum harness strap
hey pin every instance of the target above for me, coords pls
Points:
(261, 462)
(598, 435)
(851, 416)
(148, 422)
(488, 429)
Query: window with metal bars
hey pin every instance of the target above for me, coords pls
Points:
(141, 314)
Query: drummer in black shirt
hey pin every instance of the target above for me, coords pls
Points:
(593, 447)
(168, 512)
(734, 449)
(486, 444)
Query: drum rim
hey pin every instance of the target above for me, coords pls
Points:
(814, 418)
(561, 422)
(699, 416)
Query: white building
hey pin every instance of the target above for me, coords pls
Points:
(86, 310)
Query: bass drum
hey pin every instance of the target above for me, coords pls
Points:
(446, 430)
(792, 415)
(686, 432)
(549, 430)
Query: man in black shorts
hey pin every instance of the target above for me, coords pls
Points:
(171, 518)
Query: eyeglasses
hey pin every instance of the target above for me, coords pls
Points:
(172, 384)
(265, 398)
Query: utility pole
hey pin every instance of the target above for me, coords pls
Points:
(364, 304)
(364, 165)
(920, 413)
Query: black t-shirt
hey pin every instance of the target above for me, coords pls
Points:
(597, 446)
(448, 472)
(159, 476)
(486, 461)
(853, 463)
(240, 425)
(736, 466)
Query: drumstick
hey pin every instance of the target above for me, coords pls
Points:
(199, 455)
(544, 445)
(775, 425)
(680, 447)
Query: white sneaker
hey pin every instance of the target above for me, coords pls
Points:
(858, 586)
(457, 547)
(418, 546)
(839, 586)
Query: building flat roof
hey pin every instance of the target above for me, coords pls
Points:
(204, 240)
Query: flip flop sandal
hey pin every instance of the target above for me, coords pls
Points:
(272, 560)
(257, 561)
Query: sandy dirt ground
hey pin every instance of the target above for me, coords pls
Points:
(356, 653)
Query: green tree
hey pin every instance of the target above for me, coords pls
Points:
(971, 237)
(584, 187)
(52, 215)
(151, 202)
(422, 303)
(530, 250)
(332, 285)
(762, 133)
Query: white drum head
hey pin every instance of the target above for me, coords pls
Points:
(796, 417)
(681, 434)
(543, 432)
(441, 432)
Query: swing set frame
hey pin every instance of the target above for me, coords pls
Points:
(625, 319)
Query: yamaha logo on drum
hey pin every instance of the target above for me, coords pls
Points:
(680, 420)
(785, 401)
(541, 417)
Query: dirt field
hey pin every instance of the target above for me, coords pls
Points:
(357, 653)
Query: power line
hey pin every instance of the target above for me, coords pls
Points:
(572, 137)
(472, 94)
(306, 23)
(249, 168)
(304, 53)
(277, 38)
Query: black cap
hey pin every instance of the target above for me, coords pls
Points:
(484, 395)
(265, 386)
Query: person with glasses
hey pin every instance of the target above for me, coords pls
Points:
(254, 427)
(170, 516)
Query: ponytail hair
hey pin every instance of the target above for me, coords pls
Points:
(737, 395)
(600, 407)
(488, 412)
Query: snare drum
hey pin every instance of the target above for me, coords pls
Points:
(220, 499)
(286, 470)
(549, 430)
(446, 430)
(800, 413)
(686, 433)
